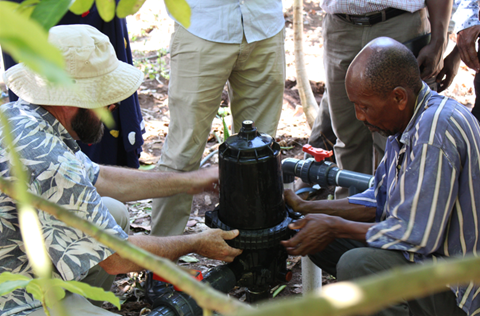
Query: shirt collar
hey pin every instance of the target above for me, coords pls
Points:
(420, 105)
(57, 128)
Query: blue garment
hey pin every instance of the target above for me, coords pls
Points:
(122, 145)
(466, 14)
(427, 200)
(227, 21)
(62, 174)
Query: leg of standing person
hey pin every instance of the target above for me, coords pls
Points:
(257, 83)
(199, 70)
(322, 135)
(476, 107)
(79, 305)
(342, 41)
(360, 262)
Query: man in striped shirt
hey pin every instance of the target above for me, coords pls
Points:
(424, 201)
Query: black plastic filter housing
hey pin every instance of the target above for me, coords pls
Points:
(251, 191)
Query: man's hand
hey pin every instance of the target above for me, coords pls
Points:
(211, 244)
(449, 71)
(316, 232)
(466, 40)
(294, 201)
(204, 180)
(430, 59)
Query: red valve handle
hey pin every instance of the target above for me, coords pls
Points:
(196, 274)
(317, 153)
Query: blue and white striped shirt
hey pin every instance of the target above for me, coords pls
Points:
(427, 204)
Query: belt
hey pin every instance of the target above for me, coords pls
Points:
(371, 18)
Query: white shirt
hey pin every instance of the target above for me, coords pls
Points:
(360, 7)
(227, 21)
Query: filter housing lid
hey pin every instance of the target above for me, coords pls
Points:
(248, 145)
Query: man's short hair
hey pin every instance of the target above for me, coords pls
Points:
(388, 68)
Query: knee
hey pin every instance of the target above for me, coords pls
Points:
(364, 261)
(355, 263)
(119, 212)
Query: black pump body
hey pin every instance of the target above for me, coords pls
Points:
(251, 191)
(251, 200)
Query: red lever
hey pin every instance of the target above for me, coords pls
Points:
(317, 153)
(196, 274)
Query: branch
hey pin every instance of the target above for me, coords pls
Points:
(370, 294)
(206, 296)
(309, 104)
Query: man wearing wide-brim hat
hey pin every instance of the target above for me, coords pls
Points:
(45, 122)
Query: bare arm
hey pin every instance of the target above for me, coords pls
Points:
(449, 71)
(316, 231)
(430, 58)
(127, 184)
(466, 40)
(210, 243)
(341, 208)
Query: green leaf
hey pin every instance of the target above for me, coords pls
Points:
(277, 291)
(188, 259)
(146, 167)
(81, 6)
(10, 286)
(226, 132)
(90, 292)
(127, 7)
(25, 8)
(8, 276)
(105, 116)
(180, 10)
(106, 9)
(49, 12)
(35, 288)
(27, 42)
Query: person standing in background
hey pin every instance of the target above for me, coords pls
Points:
(348, 26)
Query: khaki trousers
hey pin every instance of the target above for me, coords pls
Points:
(77, 305)
(342, 42)
(255, 74)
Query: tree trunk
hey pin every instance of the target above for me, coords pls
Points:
(309, 104)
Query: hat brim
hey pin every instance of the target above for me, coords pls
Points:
(89, 93)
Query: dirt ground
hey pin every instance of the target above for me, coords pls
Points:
(150, 31)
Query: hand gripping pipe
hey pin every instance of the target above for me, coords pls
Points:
(318, 171)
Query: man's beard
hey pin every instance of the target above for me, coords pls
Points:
(88, 127)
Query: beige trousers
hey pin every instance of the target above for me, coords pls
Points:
(255, 74)
(77, 305)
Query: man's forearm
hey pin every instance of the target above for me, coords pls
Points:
(167, 247)
(439, 15)
(352, 230)
(341, 208)
(127, 184)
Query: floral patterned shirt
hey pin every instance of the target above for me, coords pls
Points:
(61, 173)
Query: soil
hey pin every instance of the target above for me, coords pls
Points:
(150, 30)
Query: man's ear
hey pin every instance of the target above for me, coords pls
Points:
(400, 97)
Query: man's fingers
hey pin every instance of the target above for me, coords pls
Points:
(298, 224)
(228, 235)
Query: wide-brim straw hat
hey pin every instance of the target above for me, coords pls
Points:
(99, 78)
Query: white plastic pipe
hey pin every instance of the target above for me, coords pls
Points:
(311, 276)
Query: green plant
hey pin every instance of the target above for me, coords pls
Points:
(153, 66)
(50, 291)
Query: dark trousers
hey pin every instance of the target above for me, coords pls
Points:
(349, 259)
